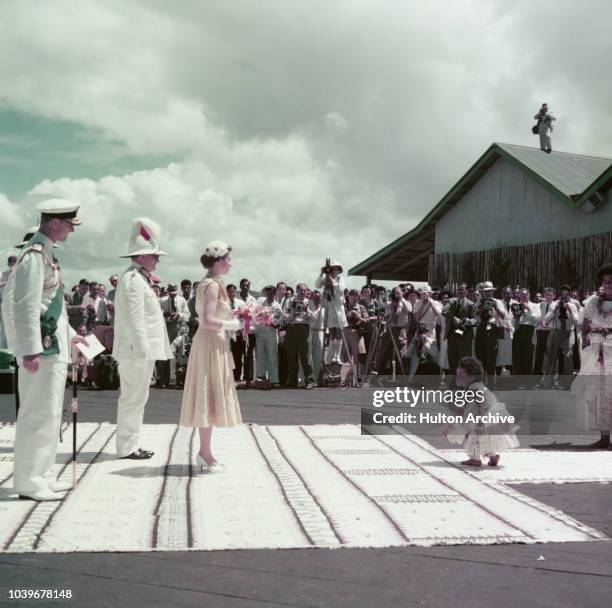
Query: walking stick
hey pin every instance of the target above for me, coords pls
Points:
(74, 406)
(16, 365)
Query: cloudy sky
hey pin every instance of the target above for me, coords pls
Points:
(293, 129)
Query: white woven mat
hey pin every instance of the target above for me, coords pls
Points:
(543, 466)
(284, 487)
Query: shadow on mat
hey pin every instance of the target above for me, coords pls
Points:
(173, 470)
(565, 447)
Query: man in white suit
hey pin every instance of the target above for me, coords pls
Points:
(40, 337)
(140, 335)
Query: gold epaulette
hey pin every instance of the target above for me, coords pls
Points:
(35, 247)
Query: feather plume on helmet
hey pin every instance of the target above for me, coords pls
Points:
(144, 238)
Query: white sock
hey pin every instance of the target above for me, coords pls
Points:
(337, 349)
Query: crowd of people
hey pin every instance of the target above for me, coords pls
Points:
(375, 330)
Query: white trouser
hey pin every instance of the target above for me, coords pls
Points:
(135, 377)
(545, 140)
(266, 351)
(316, 348)
(40, 415)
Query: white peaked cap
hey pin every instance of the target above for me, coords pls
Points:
(144, 238)
(60, 208)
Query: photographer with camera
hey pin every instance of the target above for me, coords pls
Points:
(358, 320)
(332, 283)
(459, 330)
(373, 309)
(398, 314)
(491, 317)
(297, 315)
(181, 347)
(561, 318)
(544, 127)
(95, 307)
(423, 346)
(542, 332)
(525, 318)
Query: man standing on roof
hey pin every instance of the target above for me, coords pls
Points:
(545, 127)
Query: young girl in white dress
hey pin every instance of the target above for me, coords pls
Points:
(480, 438)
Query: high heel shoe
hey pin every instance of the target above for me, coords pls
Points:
(213, 467)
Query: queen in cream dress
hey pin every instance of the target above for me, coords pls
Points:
(209, 397)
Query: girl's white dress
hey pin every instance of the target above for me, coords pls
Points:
(480, 439)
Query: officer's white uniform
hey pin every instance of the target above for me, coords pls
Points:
(140, 337)
(29, 292)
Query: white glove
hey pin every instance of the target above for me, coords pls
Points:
(233, 325)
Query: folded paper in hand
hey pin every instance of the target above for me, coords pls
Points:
(94, 347)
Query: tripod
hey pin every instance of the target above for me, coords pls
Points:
(382, 326)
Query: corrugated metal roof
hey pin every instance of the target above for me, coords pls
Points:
(572, 174)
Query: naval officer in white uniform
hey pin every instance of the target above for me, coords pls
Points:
(39, 336)
(140, 335)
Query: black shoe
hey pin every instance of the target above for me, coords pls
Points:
(139, 454)
(602, 444)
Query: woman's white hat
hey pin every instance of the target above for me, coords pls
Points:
(334, 264)
(217, 249)
(144, 238)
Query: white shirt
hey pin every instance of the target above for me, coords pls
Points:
(544, 308)
(180, 306)
(317, 319)
(424, 311)
(100, 305)
(531, 316)
(554, 322)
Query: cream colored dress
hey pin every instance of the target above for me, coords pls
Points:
(209, 397)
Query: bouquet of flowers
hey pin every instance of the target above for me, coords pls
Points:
(255, 313)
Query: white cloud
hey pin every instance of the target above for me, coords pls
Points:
(12, 220)
(299, 129)
(336, 121)
(271, 216)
